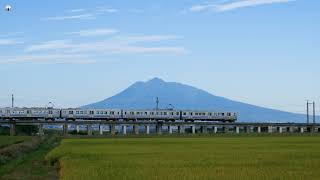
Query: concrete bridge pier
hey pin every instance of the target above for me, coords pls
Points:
(101, 129)
(13, 129)
(204, 129)
(159, 128)
(170, 129)
(78, 128)
(215, 129)
(225, 129)
(247, 129)
(312, 129)
(40, 129)
(136, 129)
(89, 130)
(181, 129)
(280, 130)
(291, 129)
(258, 129)
(124, 129)
(270, 129)
(65, 129)
(193, 128)
(301, 129)
(113, 129)
(147, 129)
(237, 129)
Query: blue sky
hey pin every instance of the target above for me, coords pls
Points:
(263, 52)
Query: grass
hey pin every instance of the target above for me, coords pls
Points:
(9, 140)
(32, 166)
(268, 157)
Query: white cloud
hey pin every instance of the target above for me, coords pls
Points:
(107, 10)
(48, 59)
(4, 42)
(49, 45)
(148, 38)
(72, 17)
(95, 32)
(232, 5)
(77, 10)
(118, 45)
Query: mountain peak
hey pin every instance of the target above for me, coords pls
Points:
(156, 80)
(141, 95)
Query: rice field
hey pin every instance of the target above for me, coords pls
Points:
(8, 140)
(295, 157)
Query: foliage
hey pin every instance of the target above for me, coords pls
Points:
(31, 165)
(8, 140)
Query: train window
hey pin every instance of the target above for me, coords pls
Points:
(77, 112)
(228, 114)
(171, 113)
(50, 112)
(222, 114)
(191, 113)
(146, 113)
(210, 114)
(125, 113)
(177, 113)
(81, 112)
(111, 112)
(91, 112)
(184, 113)
(152, 113)
(70, 112)
(118, 113)
(165, 113)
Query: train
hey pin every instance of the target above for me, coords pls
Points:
(72, 114)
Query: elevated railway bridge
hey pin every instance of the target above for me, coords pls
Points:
(120, 127)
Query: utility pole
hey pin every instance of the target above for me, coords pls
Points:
(314, 112)
(307, 112)
(12, 101)
(157, 103)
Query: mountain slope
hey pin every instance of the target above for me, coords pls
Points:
(143, 95)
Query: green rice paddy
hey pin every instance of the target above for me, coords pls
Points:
(291, 157)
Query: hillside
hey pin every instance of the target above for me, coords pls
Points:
(143, 95)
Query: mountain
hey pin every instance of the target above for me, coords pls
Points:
(143, 95)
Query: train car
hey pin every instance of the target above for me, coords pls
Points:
(115, 114)
(29, 113)
(162, 114)
(91, 114)
(190, 115)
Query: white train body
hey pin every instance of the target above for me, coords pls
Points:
(29, 113)
(115, 114)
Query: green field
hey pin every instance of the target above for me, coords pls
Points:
(8, 140)
(189, 158)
